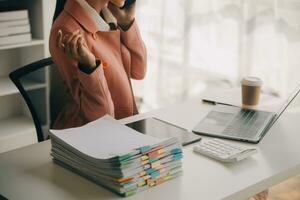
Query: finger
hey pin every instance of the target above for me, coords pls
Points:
(67, 46)
(74, 45)
(72, 36)
(60, 43)
(68, 40)
(81, 47)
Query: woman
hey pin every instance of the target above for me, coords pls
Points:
(97, 49)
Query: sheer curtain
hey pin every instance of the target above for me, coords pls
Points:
(194, 44)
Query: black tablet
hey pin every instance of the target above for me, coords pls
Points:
(161, 129)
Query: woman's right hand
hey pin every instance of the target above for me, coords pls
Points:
(73, 45)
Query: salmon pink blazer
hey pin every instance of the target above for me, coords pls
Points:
(107, 90)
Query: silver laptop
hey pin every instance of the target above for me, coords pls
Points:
(248, 125)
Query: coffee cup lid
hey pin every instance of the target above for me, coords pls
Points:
(252, 81)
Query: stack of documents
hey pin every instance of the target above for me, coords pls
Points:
(117, 157)
(15, 27)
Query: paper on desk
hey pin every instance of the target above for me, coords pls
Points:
(233, 97)
(104, 139)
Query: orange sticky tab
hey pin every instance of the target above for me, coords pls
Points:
(153, 154)
(122, 180)
(155, 149)
(145, 162)
(150, 182)
(161, 151)
(143, 173)
(162, 170)
(155, 164)
(159, 180)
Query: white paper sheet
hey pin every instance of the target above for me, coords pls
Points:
(104, 138)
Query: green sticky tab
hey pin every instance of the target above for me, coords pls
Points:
(174, 151)
(151, 160)
(155, 174)
(149, 171)
(145, 148)
(177, 156)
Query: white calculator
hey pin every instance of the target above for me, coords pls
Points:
(223, 151)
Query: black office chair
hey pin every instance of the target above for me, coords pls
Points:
(16, 77)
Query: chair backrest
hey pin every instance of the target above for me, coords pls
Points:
(16, 77)
(59, 95)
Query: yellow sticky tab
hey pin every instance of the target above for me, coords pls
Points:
(161, 151)
(167, 178)
(143, 173)
(146, 177)
(162, 170)
(145, 157)
(140, 184)
(150, 182)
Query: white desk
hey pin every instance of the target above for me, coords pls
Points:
(29, 173)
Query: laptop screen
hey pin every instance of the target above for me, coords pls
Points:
(287, 103)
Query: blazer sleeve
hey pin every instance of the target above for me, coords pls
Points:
(133, 42)
(90, 91)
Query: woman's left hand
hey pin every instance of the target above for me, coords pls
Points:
(125, 17)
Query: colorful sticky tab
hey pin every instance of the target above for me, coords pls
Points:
(144, 157)
(142, 183)
(143, 173)
(155, 174)
(145, 148)
(174, 151)
(177, 156)
(161, 151)
(145, 162)
(159, 180)
(167, 178)
(155, 164)
(162, 170)
(122, 180)
(150, 182)
(146, 166)
(149, 171)
(155, 149)
(146, 177)
(151, 160)
(153, 154)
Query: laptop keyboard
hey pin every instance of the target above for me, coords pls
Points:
(246, 124)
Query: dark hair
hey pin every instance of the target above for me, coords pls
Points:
(59, 8)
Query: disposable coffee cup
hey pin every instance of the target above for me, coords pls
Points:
(251, 88)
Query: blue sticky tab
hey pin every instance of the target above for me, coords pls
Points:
(177, 156)
(149, 171)
(151, 160)
(128, 183)
(145, 148)
(155, 174)
(174, 151)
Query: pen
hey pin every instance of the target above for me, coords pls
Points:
(209, 101)
(215, 103)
